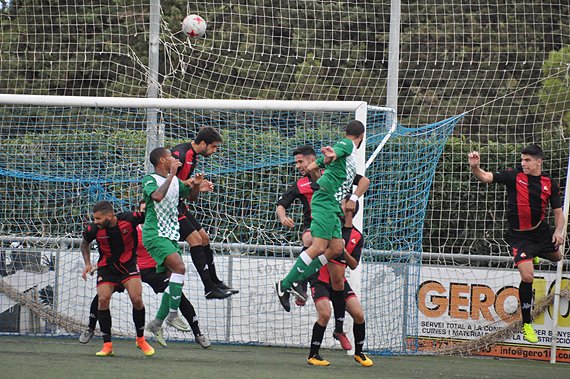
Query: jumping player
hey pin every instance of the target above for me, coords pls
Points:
(335, 182)
(205, 144)
(162, 191)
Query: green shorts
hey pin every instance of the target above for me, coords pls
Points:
(159, 248)
(326, 213)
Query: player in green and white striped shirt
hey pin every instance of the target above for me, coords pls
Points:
(162, 191)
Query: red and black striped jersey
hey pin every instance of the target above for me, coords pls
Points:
(144, 260)
(353, 243)
(303, 190)
(188, 157)
(528, 197)
(118, 243)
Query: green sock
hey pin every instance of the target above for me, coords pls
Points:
(164, 307)
(300, 271)
(175, 290)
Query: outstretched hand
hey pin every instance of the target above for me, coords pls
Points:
(474, 159)
(196, 180)
(206, 186)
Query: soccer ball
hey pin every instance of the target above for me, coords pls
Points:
(194, 26)
(511, 305)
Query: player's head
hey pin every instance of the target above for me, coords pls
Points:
(355, 131)
(207, 141)
(103, 214)
(531, 159)
(161, 157)
(346, 220)
(304, 156)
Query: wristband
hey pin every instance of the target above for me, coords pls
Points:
(354, 198)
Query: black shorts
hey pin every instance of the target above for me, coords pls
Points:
(158, 281)
(321, 291)
(110, 275)
(188, 224)
(532, 243)
(340, 259)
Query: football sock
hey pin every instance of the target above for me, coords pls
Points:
(104, 317)
(200, 262)
(189, 314)
(175, 289)
(211, 266)
(316, 339)
(164, 307)
(359, 332)
(339, 307)
(93, 313)
(525, 296)
(138, 318)
(302, 269)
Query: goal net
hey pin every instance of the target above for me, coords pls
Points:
(503, 65)
(70, 157)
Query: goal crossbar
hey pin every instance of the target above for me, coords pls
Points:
(115, 102)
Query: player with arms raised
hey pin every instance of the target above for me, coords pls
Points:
(205, 144)
(162, 192)
(529, 191)
(334, 184)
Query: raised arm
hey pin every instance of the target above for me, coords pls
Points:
(161, 191)
(481, 175)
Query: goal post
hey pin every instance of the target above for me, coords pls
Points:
(73, 151)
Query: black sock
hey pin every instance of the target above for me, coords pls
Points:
(138, 318)
(189, 314)
(359, 332)
(93, 313)
(104, 317)
(211, 266)
(199, 259)
(316, 339)
(525, 296)
(339, 307)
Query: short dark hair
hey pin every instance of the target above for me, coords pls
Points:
(103, 206)
(533, 150)
(156, 154)
(356, 207)
(305, 150)
(354, 128)
(208, 135)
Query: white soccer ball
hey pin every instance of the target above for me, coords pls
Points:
(194, 26)
(511, 305)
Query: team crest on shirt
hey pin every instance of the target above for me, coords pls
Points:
(125, 231)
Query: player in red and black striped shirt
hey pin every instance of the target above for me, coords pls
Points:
(117, 239)
(158, 281)
(529, 193)
(205, 144)
(321, 288)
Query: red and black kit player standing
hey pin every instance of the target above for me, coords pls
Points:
(117, 240)
(529, 192)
